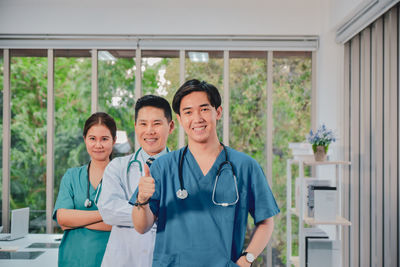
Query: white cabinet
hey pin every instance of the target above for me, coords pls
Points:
(301, 214)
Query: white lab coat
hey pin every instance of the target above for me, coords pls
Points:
(126, 247)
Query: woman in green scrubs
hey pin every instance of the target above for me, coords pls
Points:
(85, 234)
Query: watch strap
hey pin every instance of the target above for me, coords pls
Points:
(244, 253)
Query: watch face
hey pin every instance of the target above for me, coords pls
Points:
(250, 257)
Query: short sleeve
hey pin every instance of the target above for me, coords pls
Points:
(65, 198)
(262, 201)
(154, 202)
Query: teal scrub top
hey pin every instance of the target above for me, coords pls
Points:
(80, 246)
(195, 232)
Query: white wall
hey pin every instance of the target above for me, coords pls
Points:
(342, 10)
(330, 75)
(267, 17)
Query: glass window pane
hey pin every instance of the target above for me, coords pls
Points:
(292, 120)
(160, 76)
(72, 87)
(248, 103)
(207, 66)
(28, 134)
(248, 109)
(1, 128)
(291, 108)
(116, 82)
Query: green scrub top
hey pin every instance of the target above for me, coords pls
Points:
(80, 246)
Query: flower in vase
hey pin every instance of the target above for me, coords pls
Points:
(322, 137)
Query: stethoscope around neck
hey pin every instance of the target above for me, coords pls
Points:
(88, 203)
(182, 192)
(135, 160)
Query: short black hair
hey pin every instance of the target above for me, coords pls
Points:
(153, 101)
(196, 86)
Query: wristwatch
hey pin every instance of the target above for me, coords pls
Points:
(249, 256)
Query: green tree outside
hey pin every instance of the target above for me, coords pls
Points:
(28, 133)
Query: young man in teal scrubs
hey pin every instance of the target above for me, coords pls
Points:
(200, 195)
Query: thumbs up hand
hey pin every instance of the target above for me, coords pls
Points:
(146, 186)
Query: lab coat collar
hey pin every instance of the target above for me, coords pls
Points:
(144, 156)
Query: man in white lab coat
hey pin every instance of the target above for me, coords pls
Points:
(126, 247)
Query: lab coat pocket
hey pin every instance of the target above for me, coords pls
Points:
(171, 260)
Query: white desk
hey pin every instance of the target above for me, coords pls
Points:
(47, 259)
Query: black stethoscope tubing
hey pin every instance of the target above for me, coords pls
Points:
(88, 202)
(182, 192)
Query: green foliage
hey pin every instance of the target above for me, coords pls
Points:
(116, 81)
(28, 132)
(72, 86)
(292, 119)
(248, 105)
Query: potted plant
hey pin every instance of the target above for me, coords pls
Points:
(320, 141)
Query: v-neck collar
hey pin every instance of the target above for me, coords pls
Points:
(195, 167)
(91, 187)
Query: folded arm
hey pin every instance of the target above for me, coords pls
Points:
(72, 218)
(100, 226)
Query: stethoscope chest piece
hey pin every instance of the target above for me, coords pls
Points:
(88, 203)
(182, 193)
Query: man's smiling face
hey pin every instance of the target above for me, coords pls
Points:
(152, 129)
